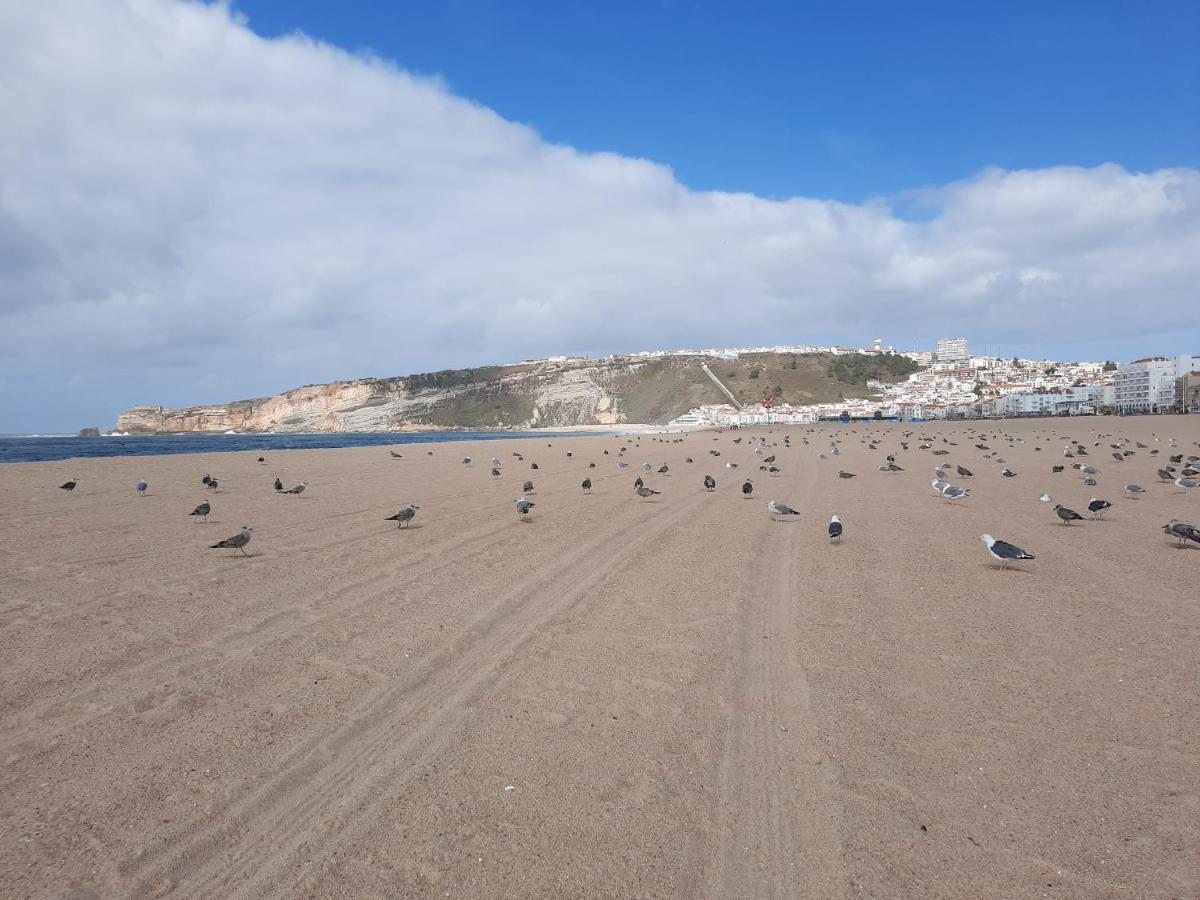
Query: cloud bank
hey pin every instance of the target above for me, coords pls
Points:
(191, 213)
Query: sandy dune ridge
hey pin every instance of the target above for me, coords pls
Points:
(676, 697)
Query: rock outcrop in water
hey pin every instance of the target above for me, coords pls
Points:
(530, 395)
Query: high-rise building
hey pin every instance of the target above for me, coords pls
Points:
(952, 350)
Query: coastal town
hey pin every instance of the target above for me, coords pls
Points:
(953, 383)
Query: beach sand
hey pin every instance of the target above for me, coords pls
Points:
(673, 698)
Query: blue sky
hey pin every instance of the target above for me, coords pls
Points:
(203, 202)
(843, 100)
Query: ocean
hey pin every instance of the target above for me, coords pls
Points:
(31, 448)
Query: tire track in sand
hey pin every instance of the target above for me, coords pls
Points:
(779, 833)
(249, 846)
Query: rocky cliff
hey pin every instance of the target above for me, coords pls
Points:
(543, 394)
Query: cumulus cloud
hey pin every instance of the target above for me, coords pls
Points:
(190, 212)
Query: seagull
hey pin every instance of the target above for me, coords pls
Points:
(495, 472)
(940, 485)
(647, 467)
(646, 493)
(278, 485)
(747, 489)
(1134, 489)
(964, 472)
(1067, 515)
(523, 507)
(202, 510)
(954, 492)
(142, 487)
(1186, 484)
(845, 474)
(396, 455)
(1007, 473)
(533, 466)
(237, 542)
(770, 459)
(1003, 551)
(1097, 507)
(1045, 498)
(710, 483)
(527, 487)
(206, 479)
(780, 509)
(1057, 469)
(1183, 531)
(496, 462)
(731, 465)
(405, 515)
(890, 467)
(586, 485)
(1166, 475)
(835, 528)
(212, 484)
(298, 489)
(637, 482)
(662, 470)
(1090, 481)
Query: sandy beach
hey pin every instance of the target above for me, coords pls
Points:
(671, 698)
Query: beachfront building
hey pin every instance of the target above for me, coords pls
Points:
(1148, 385)
(1187, 392)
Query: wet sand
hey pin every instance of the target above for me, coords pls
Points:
(672, 698)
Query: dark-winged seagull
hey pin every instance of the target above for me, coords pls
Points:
(586, 485)
(747, 489)
(710, 483)
(663, 469)
(142, 487)
(495, 472)
(1003, 551)
(1183, 531)
(835, 528)
(965, 472)
(523, 507)
(278, 485)
(845, 474)
(396, 455)
(405, 515)
(69, 486)
(1097, 507)
(202, 510)
(1067, 515)
(527, 487)
(212, 484)
(237, 542)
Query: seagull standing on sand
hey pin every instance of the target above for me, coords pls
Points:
(142, 487)
(1187, 484)
(1003, 551)
(1183, 531)
(527, 487)
(523, 507)
(845, 474)
(1067, 515)
(298, 489)
(780, 509)
(202, 510)
(747, 489)
(587, 485)
(835, 528)
(278, 485)
(1134, 489)
(646, 493)
(237, 542)
(405, 516)
(954, 492)
(70, 486)
(710, 483)
(1097, 507)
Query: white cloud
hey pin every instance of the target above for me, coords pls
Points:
(190, 212)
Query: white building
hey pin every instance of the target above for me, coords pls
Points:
(1148, 385)
(952, 350)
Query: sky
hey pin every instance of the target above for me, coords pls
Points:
(207, 202)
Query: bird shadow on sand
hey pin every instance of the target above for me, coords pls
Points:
(409, 527)
(1016, 570)
(1186, 546)
(235, 556)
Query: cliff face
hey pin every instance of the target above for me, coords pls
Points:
(539, 395)
(545, 394)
